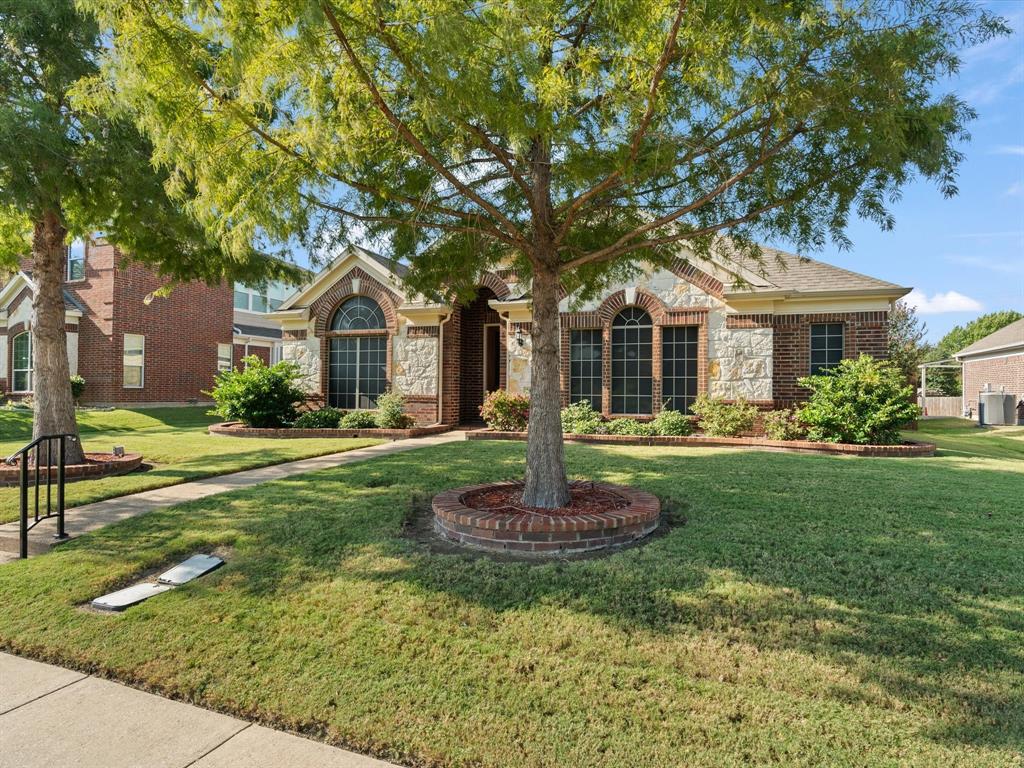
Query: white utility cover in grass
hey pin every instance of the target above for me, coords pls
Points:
(192, 568)
(125, 598)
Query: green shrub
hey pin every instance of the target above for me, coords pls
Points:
(862, 401)
(358, 420)
(506, 412)
(391, 411)
(581, 419)
(324, 418)
(258, 395)
(784, 424)
(77, 386)
(630, 427)
(672, 424)
(721, 419)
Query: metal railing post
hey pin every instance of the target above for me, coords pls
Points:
(23, 542)
(61, 533)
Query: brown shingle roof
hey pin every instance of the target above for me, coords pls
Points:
(1006, 337)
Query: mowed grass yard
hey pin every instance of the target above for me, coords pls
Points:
(173, 440)
(801, 611)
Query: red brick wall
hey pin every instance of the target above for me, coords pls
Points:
(863, 332)
(182, 331)
(999, 372)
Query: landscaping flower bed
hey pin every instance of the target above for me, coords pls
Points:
(800, 446)
(96, 465)
(237, 429)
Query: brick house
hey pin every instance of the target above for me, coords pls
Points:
(131, 347)
(994, 363)
(725, 327)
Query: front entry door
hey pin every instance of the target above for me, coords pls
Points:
(492, 358)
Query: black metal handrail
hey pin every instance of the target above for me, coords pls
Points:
(23, 485)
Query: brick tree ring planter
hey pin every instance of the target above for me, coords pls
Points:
(631, 514)
(96, 465)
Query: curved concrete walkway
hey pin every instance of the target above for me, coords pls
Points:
(80, 520)
(51, 717)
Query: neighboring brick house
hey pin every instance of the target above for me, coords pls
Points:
(994, 364)
(132, 347)
(724, 327)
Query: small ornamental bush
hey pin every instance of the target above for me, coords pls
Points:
(358, 420)
(258, 395)
(863, 401)
(77, 387)
(784, 424)
(672, 424)
(391, 412)
(721, 419)
(630, 427)
(324, 418)
(581, 419)
(505, 412)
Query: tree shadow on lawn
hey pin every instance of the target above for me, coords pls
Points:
(905, 572)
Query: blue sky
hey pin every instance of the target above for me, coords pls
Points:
(963, 256)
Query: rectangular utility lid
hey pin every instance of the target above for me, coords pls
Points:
(125, 598)
(192, 568)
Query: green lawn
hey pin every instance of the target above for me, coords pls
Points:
(804, 611)
(173, 440)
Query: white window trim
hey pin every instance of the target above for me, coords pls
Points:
(142, 367)
(31, 365)
(67, 265)
(230, 357)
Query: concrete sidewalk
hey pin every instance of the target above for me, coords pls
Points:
(52, 717)
(92, 516)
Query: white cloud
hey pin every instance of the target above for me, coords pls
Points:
(992, 88)
(940, 303)
(1009, 266)
(1009, 149)
(1015, 190)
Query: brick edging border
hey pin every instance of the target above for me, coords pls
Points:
(912, 449)
(236, 429)
(544, 535)
(11, 475)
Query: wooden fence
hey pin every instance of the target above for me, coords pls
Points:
(943, 406)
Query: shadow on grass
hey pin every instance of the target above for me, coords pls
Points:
(906, 572)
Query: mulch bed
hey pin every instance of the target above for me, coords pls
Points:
(585, 499)
(96, 465)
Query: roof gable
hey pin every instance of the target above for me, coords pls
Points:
(388, 272)
(1007, 337)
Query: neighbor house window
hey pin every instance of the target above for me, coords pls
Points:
(21, 349)
(259, 303)
(224, 357)
(134, 360)
(241, 299)
(76, 260)
(826, 346)
(631, 362)
(678, 367)
(585, 367)
(357, 364)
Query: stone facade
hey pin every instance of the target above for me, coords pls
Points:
(440, 356)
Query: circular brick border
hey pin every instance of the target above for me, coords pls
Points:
(11, 475)
(540, 534)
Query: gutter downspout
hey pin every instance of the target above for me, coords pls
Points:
(440, 367)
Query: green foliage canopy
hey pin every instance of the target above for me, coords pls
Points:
(577, 136)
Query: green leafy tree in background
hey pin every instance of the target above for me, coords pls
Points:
(72, 163)
(565, 138)
(947, 381)
(907, 348)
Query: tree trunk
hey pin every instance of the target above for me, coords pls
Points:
(546, 484)
(51, 385)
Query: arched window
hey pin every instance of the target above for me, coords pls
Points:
(357, 364)
(631, 362)
(21, 363)
(360, 313)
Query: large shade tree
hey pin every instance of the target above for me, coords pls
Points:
(71, 162)
(567, 138)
